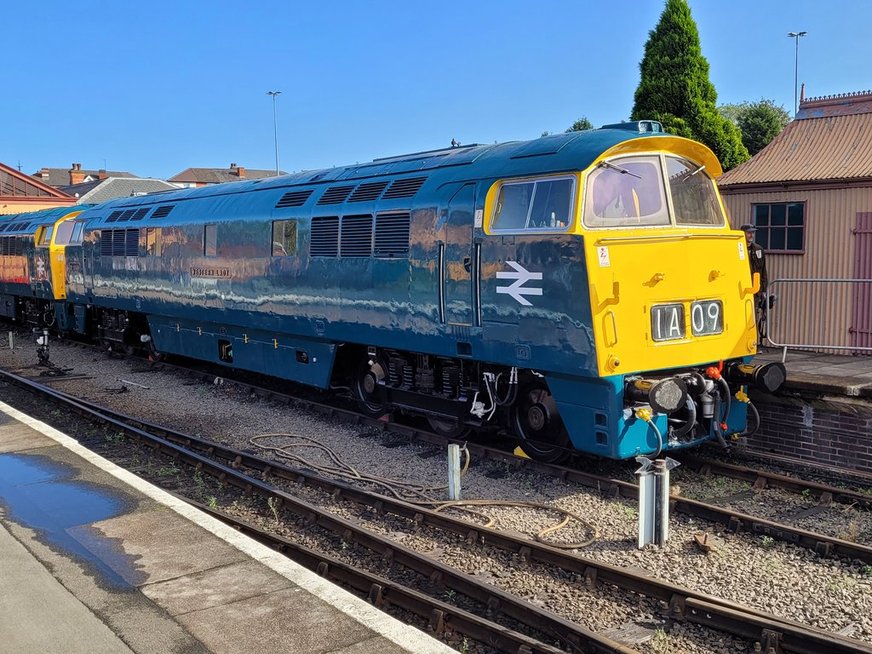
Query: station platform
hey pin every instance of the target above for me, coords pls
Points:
(830, 374)
(94, 559)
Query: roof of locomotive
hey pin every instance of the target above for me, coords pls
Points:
(26, 223)
(550, 154)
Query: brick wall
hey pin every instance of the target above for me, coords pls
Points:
(835, 431)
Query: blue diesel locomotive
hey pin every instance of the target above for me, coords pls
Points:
(581, 291)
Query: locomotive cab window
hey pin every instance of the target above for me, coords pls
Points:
(626, 192)
(76, 237)
(534, 205)
(284, 238)
(64, 232)
(45, 236)
(694, 199)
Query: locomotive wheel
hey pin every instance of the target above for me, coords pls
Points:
(538, 425)
(448, 428)
(364, 386)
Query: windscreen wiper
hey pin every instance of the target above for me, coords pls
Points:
(623, 171)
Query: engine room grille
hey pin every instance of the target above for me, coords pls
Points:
(404, 188)
(119, 242)
(356, 237)
(140, 214)
(368, 192)
(114, 216)
(324, 240)
(293, 199)
(392, 235)
(335, 194)
(162, 211)
(127, 215)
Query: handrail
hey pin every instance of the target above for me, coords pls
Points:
(774, 342)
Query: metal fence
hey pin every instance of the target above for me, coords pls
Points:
(818, 314)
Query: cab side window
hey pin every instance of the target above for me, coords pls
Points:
(45, 236)
(534, 205)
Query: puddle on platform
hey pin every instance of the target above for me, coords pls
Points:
(38, 493)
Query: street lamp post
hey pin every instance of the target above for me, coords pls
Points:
(276, 127)
(796, 36)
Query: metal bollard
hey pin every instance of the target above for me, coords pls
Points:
(654, 500)
(454, 472)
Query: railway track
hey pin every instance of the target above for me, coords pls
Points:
(711, 509)
(732, 519)
(765, 630)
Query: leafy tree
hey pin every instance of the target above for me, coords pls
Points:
(761, 122)
(580, 125)
(675, 87)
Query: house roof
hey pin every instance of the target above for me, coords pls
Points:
(17, 185)
(829, 140)
(116, 187)
(61, 176)
(219, 175)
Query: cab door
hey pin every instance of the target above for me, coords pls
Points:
(63, 230)
(456, 257)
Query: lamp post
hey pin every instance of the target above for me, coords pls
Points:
(276, 128)
(796, 36)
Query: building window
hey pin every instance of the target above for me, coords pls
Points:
(284, 238)
(210, 241)
(780, 226)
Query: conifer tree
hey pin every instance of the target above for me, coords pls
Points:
(675, 87)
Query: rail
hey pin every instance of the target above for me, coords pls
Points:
(819, 295)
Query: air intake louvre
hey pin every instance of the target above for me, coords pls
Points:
(127, 215)
(404, 188)
(140, 214)
(114, 216)
(356, 238)
(324, 241)
(162, 211)
(392, 235)
(368, 192)
(335, 194)
(293, 199)
(119, 242)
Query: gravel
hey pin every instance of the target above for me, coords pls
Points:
(787, 581)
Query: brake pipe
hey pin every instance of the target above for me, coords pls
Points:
(644, 413)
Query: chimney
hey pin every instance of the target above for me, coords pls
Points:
(44, 175)
(76, 174)
(101, 174)
(240, 171)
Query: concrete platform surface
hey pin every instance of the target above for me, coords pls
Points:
(833, 374)
(93, 559)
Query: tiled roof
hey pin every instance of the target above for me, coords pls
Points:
(116, 187)
(830, 139)
(61, 176)
(218, 175)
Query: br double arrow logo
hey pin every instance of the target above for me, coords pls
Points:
(517, 289)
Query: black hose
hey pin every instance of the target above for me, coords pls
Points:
(716, 424)
(690, 423)
(727, 398)
(751, 432)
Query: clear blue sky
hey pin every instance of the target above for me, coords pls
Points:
(155, 87)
